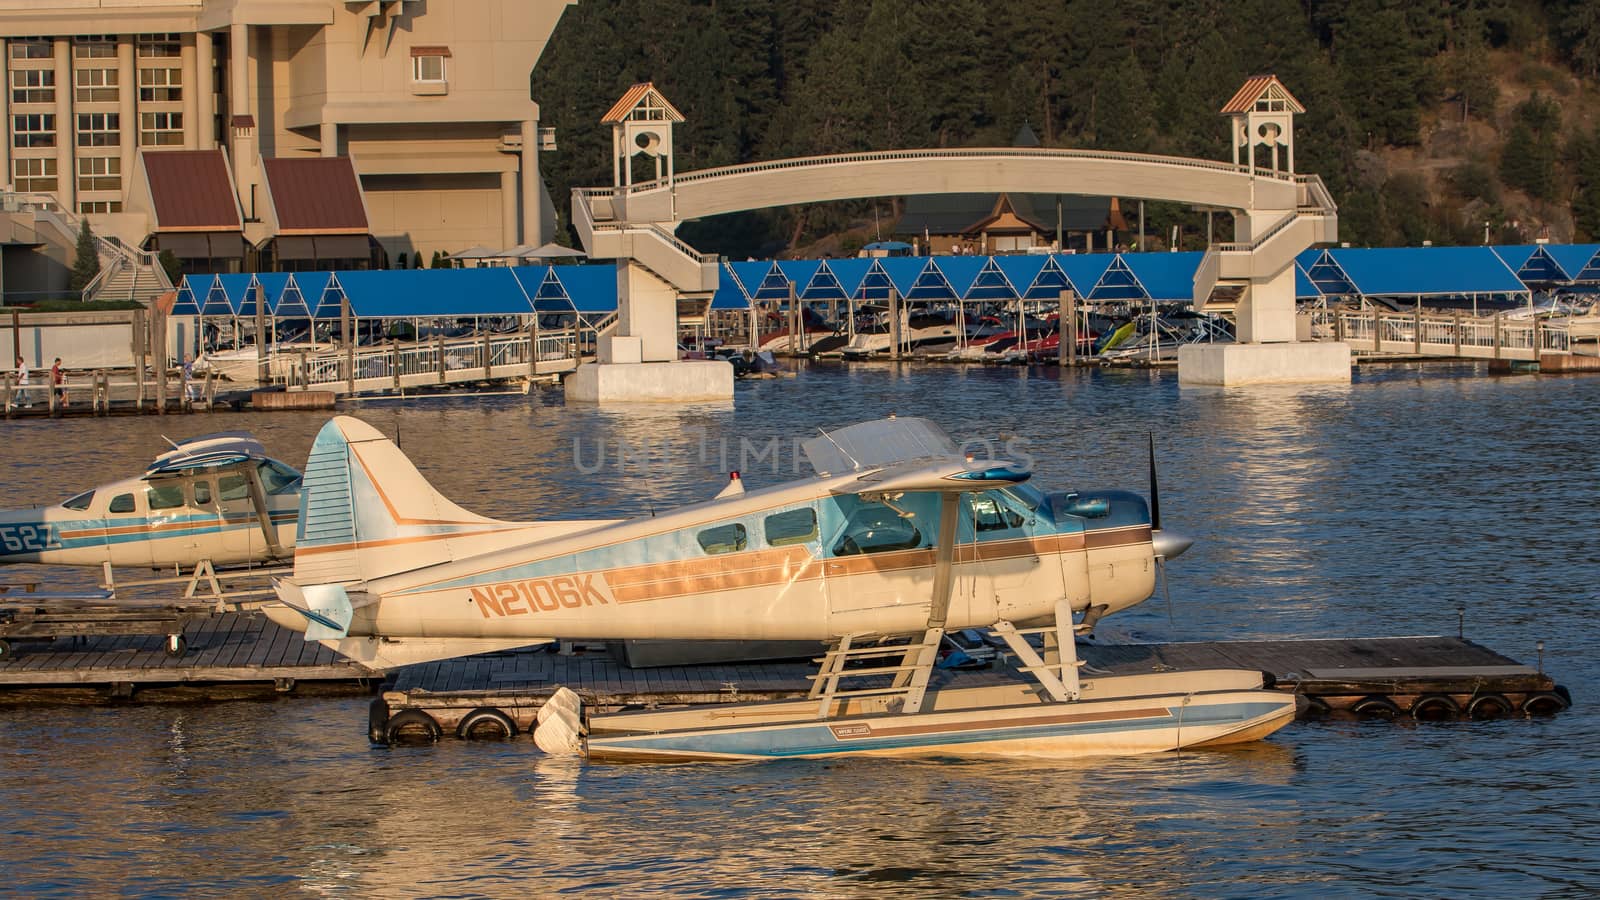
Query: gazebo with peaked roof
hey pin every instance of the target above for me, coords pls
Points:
(1263, 112)
(641, 125)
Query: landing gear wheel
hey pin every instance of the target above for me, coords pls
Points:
(175, 645)
(485, 724)
(411, 726)
(5, 650)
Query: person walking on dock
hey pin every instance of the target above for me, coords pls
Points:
(58, 382)
(22, 384)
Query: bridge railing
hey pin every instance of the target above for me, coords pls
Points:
(1480, 337)
(950, 153)
(429, 362)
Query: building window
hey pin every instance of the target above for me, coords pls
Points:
(99, 130)
(33, 131)
(31, 48)
(33, 86)
(99, 173)
(161, 129)
(94, 46)
(428, 69)
(160, 85)
(94, 207)
(34, 175)
(97, 85)
(159, 46)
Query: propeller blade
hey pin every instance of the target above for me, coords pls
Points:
(1155, 488)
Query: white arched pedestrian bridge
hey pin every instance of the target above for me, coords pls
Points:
(1277, 214)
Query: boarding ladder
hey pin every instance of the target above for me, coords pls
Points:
(910, 675)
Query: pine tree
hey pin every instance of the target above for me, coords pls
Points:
(171, 264)
(86, 262)
(1586, 199)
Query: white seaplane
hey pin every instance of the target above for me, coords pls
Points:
(897, 535)
(215, 500)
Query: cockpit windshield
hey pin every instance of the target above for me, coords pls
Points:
(277, 478)
(80, 502)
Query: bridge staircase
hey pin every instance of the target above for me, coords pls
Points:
(1223, 279)
(654, 248)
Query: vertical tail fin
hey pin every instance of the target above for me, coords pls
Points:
(366, 512)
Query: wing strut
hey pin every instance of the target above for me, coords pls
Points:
(258, 499)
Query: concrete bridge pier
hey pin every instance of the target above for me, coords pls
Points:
(637, 359)
(1266, 351)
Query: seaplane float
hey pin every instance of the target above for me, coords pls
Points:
(897, 536)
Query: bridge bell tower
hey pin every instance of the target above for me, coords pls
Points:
(1262, 113)
(641, 125)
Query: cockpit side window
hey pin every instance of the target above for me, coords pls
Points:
(875, 528)
(163, 496)
(796, 526)
(724, 539)
(80, 502)
(121, 503)
(989, 513)
(202, 493)
(233, 487)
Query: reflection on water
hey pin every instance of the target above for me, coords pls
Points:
(1374, 508)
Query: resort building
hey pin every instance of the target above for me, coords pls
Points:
(191, 126)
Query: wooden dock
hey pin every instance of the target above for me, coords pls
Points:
(224, 655)
(499, 695)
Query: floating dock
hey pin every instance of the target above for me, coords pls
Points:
(498, 696)
(92, 656)
(87, 654)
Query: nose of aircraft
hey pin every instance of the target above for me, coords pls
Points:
(1169, 544)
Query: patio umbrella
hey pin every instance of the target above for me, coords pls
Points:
(552, 250)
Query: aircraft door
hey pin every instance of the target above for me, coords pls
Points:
(880, 564)
(241, 533)
(127, 530)
(1011, 570)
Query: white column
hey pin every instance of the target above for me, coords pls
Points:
(5, 112)
(191, 96)
(239, 104)
(66, 174)
(329, 136)
(205, 91)
(508, 210)
(127, 107)
(532, 226)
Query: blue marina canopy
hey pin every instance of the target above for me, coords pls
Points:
(191, 290)
(1304, 287)
(1581, 262)
(1165, 277)
(272, 285)
(414, 293)
(1427, 271)
(592, 289)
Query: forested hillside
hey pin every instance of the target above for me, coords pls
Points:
(1428, 119)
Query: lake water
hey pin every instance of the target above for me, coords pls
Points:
(1392, 506)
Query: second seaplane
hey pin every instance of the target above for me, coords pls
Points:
(210, 502)
(896, 538)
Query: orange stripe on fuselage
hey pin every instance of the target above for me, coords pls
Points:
(786, 565)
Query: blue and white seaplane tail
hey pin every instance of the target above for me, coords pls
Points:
(217, 499)
(895, 539)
